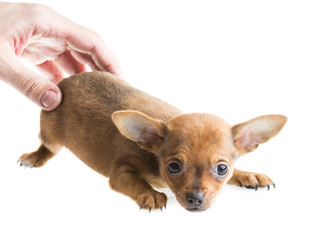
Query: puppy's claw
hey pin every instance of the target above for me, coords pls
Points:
(150, 209)
(258, 186)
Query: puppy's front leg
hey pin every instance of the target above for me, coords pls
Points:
(125, 179)
(250, 180)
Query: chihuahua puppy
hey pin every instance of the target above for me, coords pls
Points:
(141, 142)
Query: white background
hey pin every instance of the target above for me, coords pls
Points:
(236, 59)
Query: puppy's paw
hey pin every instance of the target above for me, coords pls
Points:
(31, 160)
(152, 200)
(251, 180)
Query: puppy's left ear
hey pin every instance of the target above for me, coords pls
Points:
(148, 132)
(248, 135)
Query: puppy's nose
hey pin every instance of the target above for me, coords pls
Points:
(195, 199)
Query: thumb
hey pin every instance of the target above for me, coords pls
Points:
(41, 91)
(34, 86)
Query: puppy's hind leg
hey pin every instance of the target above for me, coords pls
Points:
(37, 158)
(41, 156)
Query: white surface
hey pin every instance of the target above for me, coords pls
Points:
(236, 59)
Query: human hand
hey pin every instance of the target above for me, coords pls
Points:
(51, 42)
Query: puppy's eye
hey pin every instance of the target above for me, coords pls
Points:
(174, 167)
(221, 169)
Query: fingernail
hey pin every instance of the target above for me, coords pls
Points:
(49, 98)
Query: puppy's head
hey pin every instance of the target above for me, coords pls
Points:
(196, 152)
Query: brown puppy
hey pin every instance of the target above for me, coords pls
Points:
(141, 142)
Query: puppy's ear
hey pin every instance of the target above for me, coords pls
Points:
(149, 133)
(248, 135)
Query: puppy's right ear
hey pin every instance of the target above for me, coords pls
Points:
(148, 132)
(248, 135)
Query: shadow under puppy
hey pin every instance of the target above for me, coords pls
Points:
(141, 142)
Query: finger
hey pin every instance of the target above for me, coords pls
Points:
(84, 41)
(51, 68)
(69, 64)
(85, 59)
(94, 46)
(105, 59)
(35, 87)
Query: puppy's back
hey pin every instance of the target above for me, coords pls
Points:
(83, 123)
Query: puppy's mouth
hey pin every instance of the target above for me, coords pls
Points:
(196, 209)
